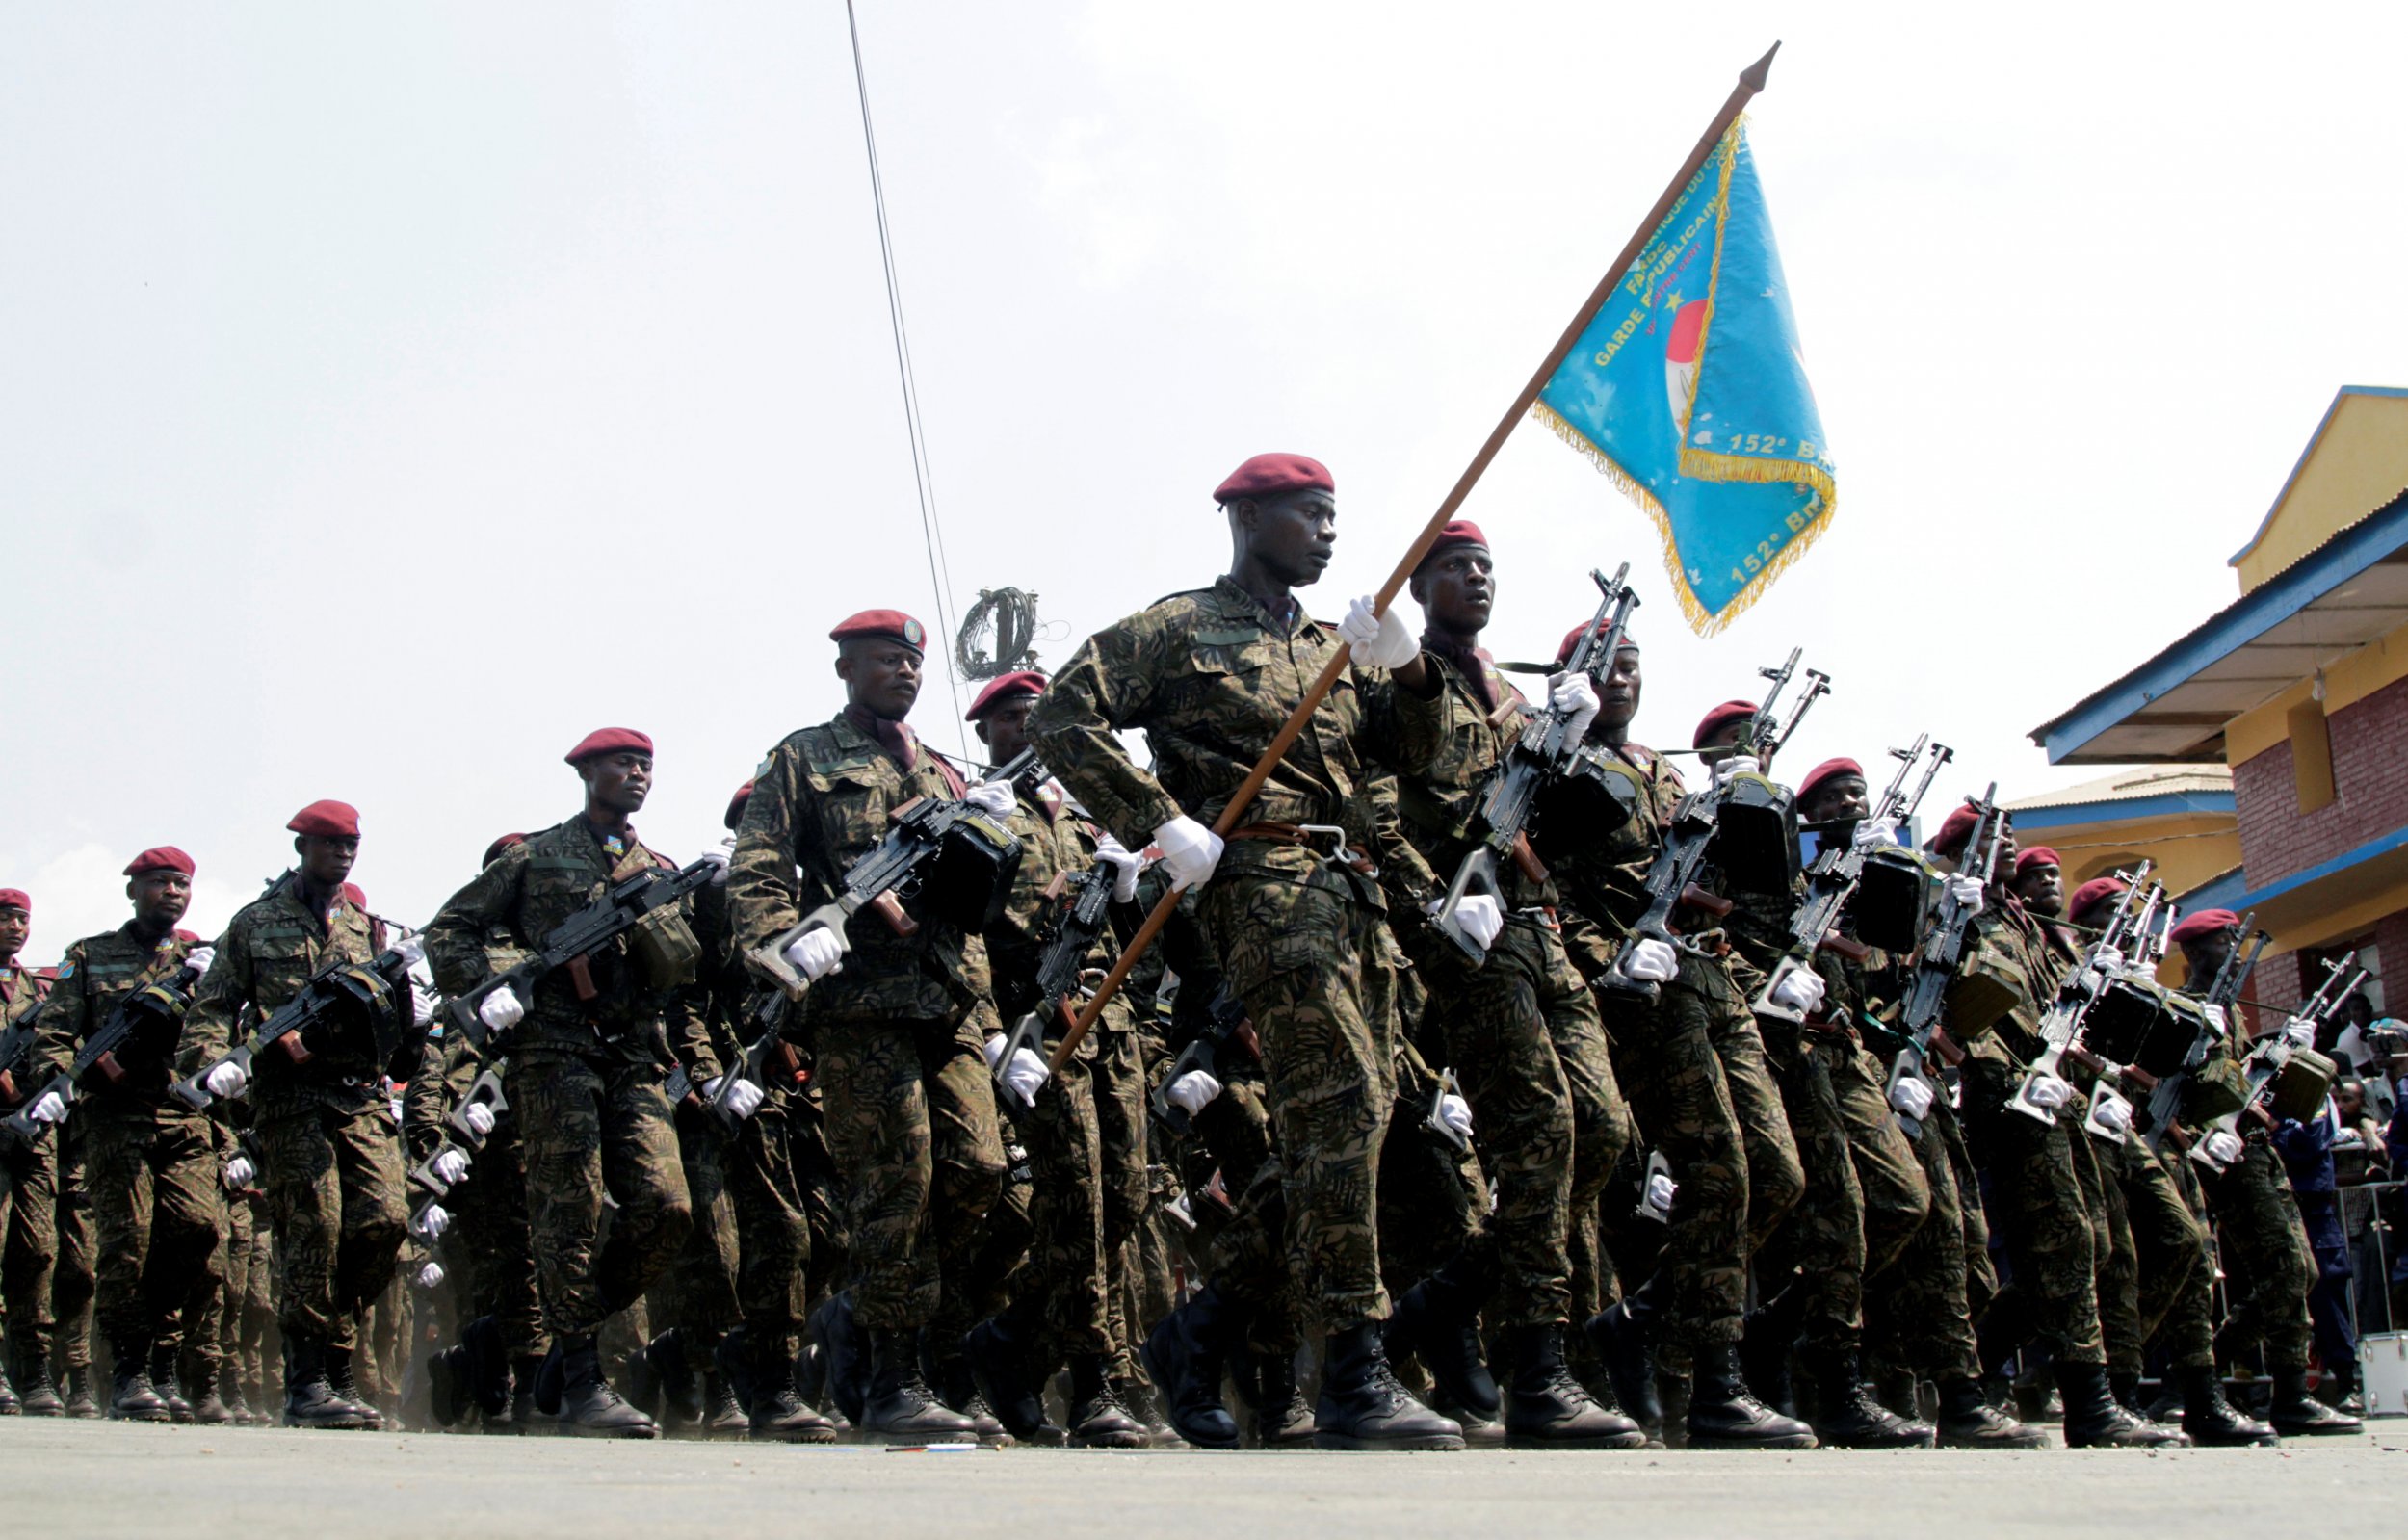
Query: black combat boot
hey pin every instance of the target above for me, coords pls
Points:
(676, 1381)
(309, 1402)
(1363, 1407)
(1282, 1418)
(39, 1397)
(80, 1400)
(1546, 1408)
(447, 1385)
(11, 1403)
(338, 1361)
(1183, 1355)
(1438, 1321)
(949, 1374)
(549, 1383)
(846, 1349)
(2094, 1421)
(1723, 1416)
(779, 1413)
(1847, 1417)
(525, 1416)
(2126, 1389)
(998, 1353)
(208, 1409)
(2210, 1419)
(2297, 1413)
(723, 1416)
(131, 1396)
(237, 1407)
(898, 1406)
(588, 1406)
(163, 1379)
(483, 1368)
(1969, 1422)
(1097, 1418)
(1620, 1337)
(1769, 1337)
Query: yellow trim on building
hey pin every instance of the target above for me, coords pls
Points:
(2357, 462)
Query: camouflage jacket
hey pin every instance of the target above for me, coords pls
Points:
(1210, 676)
(1602, 872)
(97, 973)
(2010, 953)
(1460, 745)
(1054, 842)
(271, 947)
(823, 799)
(528, 891)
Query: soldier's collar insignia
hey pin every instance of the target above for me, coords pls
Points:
(613, 844)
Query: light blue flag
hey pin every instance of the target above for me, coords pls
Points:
(1688, 388)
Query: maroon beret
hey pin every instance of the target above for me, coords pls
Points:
(1267, 475)
(1462, 531)
(15, 899)
(493, 851)
(1955, 830)
(327, 820)
(355, 896)
(882, 623)
(1716, 720)
(2092, 893)
(160, 858)
(735, 814)
(1563, 649)
(1828, 769)
(2206, 922)
(1002, 687)
(2037, 855)
(609, 740)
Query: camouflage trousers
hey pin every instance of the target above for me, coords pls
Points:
(772, 1232)
(2038, 1207)
(491, 1243)
(29, 1250)
(2268, 1267)
(1431, 1194)
(1528, 1048)
(590, 1128)
(74, 1283)
(1314, 964)
(1118, 1071)
(1918, 1316)
(2113, 1254)
(337, 1193)
(696, 1294)
(154, 1182)
(911, 1128)
(246, 1307)
(2176, 1288)
(1063, 1291)
(830, 1243)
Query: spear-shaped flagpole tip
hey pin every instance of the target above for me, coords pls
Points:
(1753, 76)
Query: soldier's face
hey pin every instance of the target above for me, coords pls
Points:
(1005, 730)
(2204, 955)
(326, 860)
(1292, 536)
(619, 782)
(1456, 589)
(160, 897)
(1617, 698)
(1717, 747)
(880, 675)
(1839, 799)
(2042, 888)
(15, 925)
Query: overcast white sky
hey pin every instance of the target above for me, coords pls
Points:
(390, 394)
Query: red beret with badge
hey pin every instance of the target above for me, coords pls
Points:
(1828, 769)
(1716, 720)
(2206, 922)
(1955, 831)
(1005, 687)
(892, 624)
(15, 899)
(160, 858)
(609, 740)
(327, 819)
(1269, 475)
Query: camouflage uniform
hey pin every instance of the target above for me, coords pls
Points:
(151, 1170)
(490, 1246)
(585, 1076)
(331, 1153)
(1520, 1027)
(898, 1036)
(1210, 676)
(29, 1201)
(74, 1284)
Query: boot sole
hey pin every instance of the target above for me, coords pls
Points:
(2040, 1442)
(575, 1432)
(1433, 1442)
(816, 1435)
(2316, 1432)
(1540, 1440)
(1793, 1441)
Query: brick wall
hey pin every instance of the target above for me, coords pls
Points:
(2369, 781)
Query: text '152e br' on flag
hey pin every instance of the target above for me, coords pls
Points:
(1689, 389)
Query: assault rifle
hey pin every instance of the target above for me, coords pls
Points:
(379, 988)
(460, 1134)
(147, 1021)
(2165, 1098)
(2061, 1028)
(1831, 881)
(1672, 888)
(1069, 938)
(1225, 1025)
(1943, 952)
(1756, 819)
(2272, 1055)
(572, 943)
(1545, 751)
(1766, 733)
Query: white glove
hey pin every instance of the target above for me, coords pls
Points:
(48, 1108)
(1874, 831)
(1193, 1092)
(1731, 765)
(431, 1276)
(816, 953)
(1189, 850)
(502, 1009)
(238, 1173)
(743, 1100)
(717, 855)
(1124, 863)
(2300, 1033)
(1456, 1113)
(227, 1078)
(1575, 695)
(1911, 1096)
(1800, 990)
(199, 958)
(2108, 961)
(1026, 1074)
(1660, 1191)
(449, 1165)
(2113, 1114)
(2047, 1093)
(478, 1117)
(1967, 891)
(2217, 1022)
(1378, 641)
(1651, 961)
(411, 950)
(434, 1222)
(1479, 916)
(393, 1105)
(2224, 1146)
(994, 798)
(421, 1005)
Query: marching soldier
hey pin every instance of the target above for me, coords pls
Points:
(28, 1191)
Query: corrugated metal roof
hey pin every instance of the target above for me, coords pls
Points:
(2134, 785)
